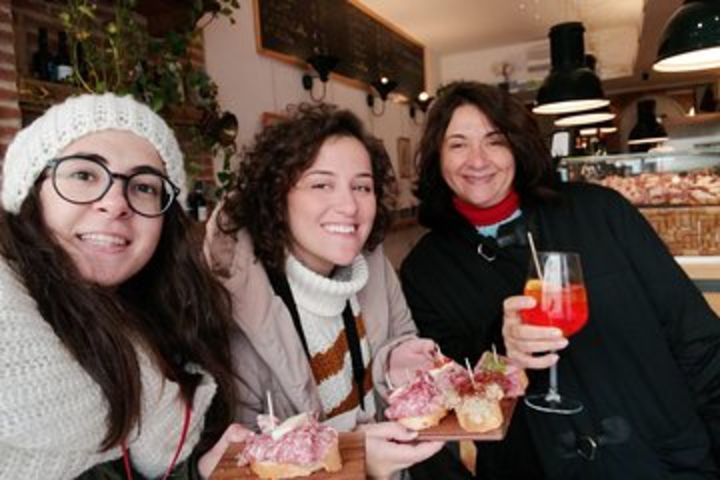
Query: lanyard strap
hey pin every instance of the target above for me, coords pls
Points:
(281, 287)
(183, 436)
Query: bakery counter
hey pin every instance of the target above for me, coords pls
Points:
(677, 192)
(705, 272)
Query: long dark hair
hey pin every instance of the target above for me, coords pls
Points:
(173, 307)
(274, 163)
(533, 164)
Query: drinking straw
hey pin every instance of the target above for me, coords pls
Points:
(470, 372)
(494, 351)
(533, 251)
(270, 409)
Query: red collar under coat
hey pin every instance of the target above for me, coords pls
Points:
(491, 215)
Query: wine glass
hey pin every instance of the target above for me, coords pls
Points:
(559, 291)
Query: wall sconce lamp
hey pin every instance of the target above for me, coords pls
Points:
(223, 128)
(691, 38)
(421, 101)
(571, 86)
(383, 87)
(323, 65)
(647, 132)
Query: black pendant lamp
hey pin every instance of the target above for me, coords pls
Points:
(571, 86)
(589, 117)
(647, 131)
(691, 38)
(604, 128)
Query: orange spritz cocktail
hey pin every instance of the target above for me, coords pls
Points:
(563, 307)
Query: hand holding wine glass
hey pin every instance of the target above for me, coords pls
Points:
(529, 346)
(556, 284)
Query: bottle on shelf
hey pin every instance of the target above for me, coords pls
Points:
(63, 64)
(42, 63)
(80, 61)
(196, 202)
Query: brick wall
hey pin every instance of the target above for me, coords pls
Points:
(19, 24)
(10, 117)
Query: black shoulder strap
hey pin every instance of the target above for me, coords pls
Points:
(353, 340)
(281, 287)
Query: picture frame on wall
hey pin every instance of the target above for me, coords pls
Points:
(404, 158)
(269, 118)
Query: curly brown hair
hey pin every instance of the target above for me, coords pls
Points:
(275, 161)
(534, 177)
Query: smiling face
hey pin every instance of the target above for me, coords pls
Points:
(332, 206)
(108, 242)
(475, 159)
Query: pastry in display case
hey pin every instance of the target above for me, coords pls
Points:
(678, 192)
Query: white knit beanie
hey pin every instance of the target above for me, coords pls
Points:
(42, 140)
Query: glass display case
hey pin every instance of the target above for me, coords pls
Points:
(678, 192)
(652, 179)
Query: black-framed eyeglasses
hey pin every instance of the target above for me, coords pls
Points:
(83, 179)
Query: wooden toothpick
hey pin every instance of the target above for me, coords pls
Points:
(470, 372)
(270, 409)
(389, 383)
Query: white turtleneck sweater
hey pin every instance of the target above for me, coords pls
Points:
(320, 302)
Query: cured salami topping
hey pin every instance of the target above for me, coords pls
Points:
(496, 368)
(420, 397)
(304, 445)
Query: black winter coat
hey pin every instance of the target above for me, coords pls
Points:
(646, 366)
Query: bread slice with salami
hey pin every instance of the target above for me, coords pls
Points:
(296, 448)
(473, 395)
(417, 405)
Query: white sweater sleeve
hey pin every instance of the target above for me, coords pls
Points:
(50, 409)
(153, 448)
(53, 415)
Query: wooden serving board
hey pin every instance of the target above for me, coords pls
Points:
(352, 452)
(449, 428)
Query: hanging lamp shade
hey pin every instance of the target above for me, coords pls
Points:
(647, 130)
(588, 117)
(691, 38)
(604, 128)
(571, 86)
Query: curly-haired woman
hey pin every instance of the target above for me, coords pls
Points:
(115, 335)
(322, 318)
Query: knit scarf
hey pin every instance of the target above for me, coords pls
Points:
(478, 216)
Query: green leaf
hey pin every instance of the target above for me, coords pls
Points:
(88, 12)
(157, 104)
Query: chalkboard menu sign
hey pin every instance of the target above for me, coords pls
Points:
(368, 48)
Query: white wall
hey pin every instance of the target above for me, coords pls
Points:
(250, 84)
(615, 49)
(480, 64)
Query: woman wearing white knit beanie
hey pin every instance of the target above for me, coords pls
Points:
(323, 322)
(114, 336)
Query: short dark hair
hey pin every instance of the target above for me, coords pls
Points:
(273, 164)
(534, 175)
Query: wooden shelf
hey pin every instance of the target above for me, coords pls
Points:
(36, 96)
(700, 118)
(166, 15)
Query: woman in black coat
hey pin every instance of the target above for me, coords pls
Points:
(647, 364)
